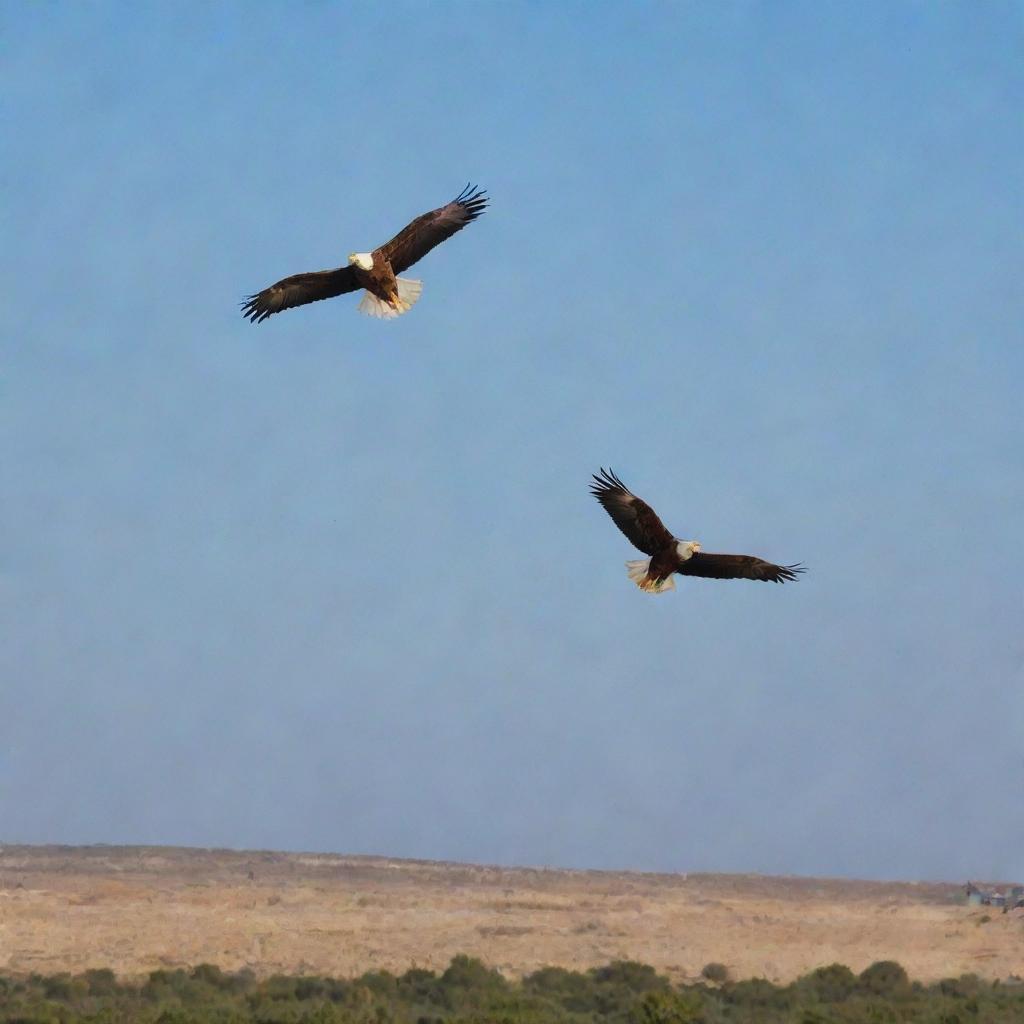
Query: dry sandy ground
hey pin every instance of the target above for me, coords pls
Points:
(136, 909)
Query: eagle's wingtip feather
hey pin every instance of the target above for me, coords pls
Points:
(605, 481)
(251, 309)
(473, 200)
(789, 573)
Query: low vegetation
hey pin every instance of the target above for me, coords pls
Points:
(469, 992)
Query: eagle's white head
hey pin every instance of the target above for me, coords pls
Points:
(686, 548)
(362, 260)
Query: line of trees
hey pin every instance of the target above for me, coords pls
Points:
(469, 992)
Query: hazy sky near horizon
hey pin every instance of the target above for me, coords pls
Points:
(336, 584)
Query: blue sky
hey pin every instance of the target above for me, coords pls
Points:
(337, 584)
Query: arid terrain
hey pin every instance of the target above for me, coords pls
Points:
(136, 909)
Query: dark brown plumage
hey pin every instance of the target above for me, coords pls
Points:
(737, 567)
(299, 289)
(416, 239)
(644, 530)
(632, 515)
(388, 296)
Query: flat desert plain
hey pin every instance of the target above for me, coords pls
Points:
(136, 909)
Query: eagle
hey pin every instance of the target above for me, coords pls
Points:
(387, 294)
(644, 530)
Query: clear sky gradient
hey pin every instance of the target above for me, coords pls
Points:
(336, 584)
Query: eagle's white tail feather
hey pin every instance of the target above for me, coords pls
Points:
(409, 290)
(408, 293)
(372, 306)
(638, 574)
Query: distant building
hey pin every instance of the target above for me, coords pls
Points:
(1009, 900)
(974, 895)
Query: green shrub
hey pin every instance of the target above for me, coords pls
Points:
(884, 978)
(965, 987)
(831, 984)
(668, 1008)
(628, 974)
(715, 972)
(101, 981)
(569, 989)
(756, 993)
(469, 973)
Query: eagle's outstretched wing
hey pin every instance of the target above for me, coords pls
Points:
(298, 290)
(737, 567)
(632, 515)
(415, 240)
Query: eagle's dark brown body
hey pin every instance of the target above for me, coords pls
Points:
(665, 562)
(380, 279)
